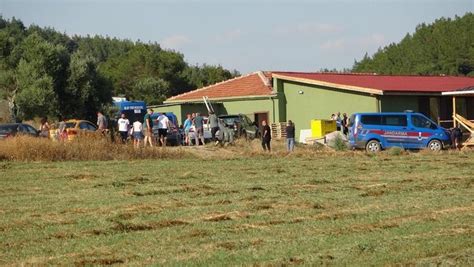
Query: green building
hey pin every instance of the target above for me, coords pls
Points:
(300, 97)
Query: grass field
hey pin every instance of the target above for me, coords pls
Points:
(335, 209)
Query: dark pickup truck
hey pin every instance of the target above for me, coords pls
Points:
(242, 125)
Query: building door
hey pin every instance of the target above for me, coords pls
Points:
(470, 108)
(259, 117)
(424, 105)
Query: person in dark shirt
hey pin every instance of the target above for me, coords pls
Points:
(290, 136)
(345, 124)
(214, 125)
(199, 129)
(266, 136)
(148, 127)
(456, 138)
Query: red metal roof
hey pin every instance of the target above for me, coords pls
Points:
(388, 83)
(259, 84)
(254, 84)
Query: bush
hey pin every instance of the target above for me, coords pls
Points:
(339, 144)
(395, 151)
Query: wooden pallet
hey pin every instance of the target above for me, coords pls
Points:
(469, 126)
(279, 130)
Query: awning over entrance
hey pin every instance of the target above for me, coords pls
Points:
(458, 119)
(468, 91)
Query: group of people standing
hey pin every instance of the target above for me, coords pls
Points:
(197, 121)
(144, 131)
(45, 127)
(342, 123)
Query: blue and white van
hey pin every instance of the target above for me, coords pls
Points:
(134, 110)
(377, 131)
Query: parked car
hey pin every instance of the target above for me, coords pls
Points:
(75, 128)
(15, 129)
(242, 125)
(174, 136)
(376, 131)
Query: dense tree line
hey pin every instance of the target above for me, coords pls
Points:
(443, 47)
(47, 73)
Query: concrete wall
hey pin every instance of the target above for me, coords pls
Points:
(317, 102)
(252, 106)
(194, 108)
(176, 109)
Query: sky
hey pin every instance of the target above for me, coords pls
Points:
(245, 35)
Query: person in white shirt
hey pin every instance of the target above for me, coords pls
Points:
(163, 126)
(124, 127)
(137, 133)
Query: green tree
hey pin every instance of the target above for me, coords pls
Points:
(45, 72)
(443, 47)
(86, 90)
(36, 95)
(200, 76)
(152, 90)
(40, 77)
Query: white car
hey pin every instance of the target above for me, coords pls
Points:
(207, 131)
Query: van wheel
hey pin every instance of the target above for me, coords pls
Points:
(373, 146)
(435, 145)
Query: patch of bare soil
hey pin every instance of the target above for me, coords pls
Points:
(102, 261)
(398, 221)
(82, 176)
(226, 216)
(133, 227)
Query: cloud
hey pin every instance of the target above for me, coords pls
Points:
(229, 36)
(333, 44)
(309, 28)
(175, 41)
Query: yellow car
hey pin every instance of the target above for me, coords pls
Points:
(75, 128)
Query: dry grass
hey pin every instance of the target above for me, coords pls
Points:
(24, 148)
(83, 148)
(94, 148)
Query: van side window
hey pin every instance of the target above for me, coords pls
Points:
(394, 120)
(371, 119)
(422, 122)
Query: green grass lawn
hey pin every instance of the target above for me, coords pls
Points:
(340, 209)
